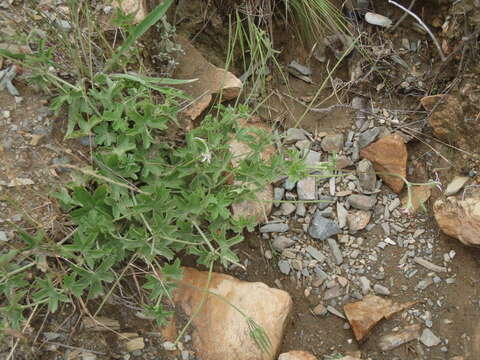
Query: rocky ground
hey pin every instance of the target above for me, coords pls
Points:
(351, 263)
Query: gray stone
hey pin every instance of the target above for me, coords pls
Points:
(306, 189)
(322, 228)
(287, 208)
(342, 214)
(362, 202)
(301, 209)
(332, 293)
(313, 158)
(366, 176)
(293, 135)
(456, 185)
(367, 137)
(364, 285)
(274, 227)
(332, 143)
(280, 243)
(297, 264)
(3, 236)
(423, 284)
(335, 312)
(337, 254)
(429, 339)
(289, 185)
(284, 267)
(278, 195)
(394, 204)
(316, 254)
(381, 290)
(325, 201)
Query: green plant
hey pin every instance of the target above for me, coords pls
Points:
(144, 199)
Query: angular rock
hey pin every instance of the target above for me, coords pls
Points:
(456, 185)
(364, 284)
(297, 355)
(313, 158)
(337, 253)
(324, 202)
(287, 208)
(306, 189)
(211, 80)
(395, 339)
(460, 218)
(316, 254)
(419, 196)
(367, 137)
(321, 228)
(429, 339)
(274, 227)
(332, 143)
(388, 155)
(342, 214)
(294, 134)
(280, 243)
(343, 162)
(219, 331)
(362, 202)
(364, 315)
(358, 220)
(367, 178)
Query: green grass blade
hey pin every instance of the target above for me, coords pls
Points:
(150, 20)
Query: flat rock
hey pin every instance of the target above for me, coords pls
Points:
(367, 178)
(342, 214)
(332, 143)
(280, 243)
(460, 218)
(358, 219)
(211, 80)
(306, 189)
(391, 341)
(365, 314)
(322, 228)
(287, 208)
(297, 355)
(419, 197)
(315, 253)
(388, 155)
(219, 331)
(456, 185)
(313, 158)
(343, 162)
(284, 267)
(362, 202)
(294, 134)
(337, 253)
(429, 339)
(274, 227)
(367, 137)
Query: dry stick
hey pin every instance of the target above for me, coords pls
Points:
(437, 44)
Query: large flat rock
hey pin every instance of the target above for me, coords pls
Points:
(221, 332)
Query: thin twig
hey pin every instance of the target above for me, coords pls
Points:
(437, 44)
